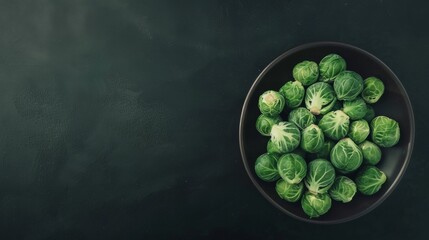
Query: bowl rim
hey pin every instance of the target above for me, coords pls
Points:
(243, 117)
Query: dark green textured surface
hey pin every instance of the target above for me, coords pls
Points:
(119, 118)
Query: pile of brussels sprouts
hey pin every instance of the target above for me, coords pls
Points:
(329, 145)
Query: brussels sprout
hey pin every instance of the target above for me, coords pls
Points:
(266, 168)
(355, 109)
(335, 125)
(285, 136)
(346, 156)
(289, 192)
(329, 107)
(359, 131)
(306, 72)
(301, 117)
(265, 123)
(330, 66)
(348, 85)
(315, 205)
(271, 103)
(312, 139)
(343, 189)
(293, 92)
(319, 97)
(373, 89)
(275, 156)
(371, 153)
(326, 149)
(320, 176)
(292, 168)
(370, 113)
(385, 131)
(271, 148)
(369, 180)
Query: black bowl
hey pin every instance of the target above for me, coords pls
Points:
(394, 103)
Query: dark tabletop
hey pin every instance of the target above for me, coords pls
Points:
(119, 118)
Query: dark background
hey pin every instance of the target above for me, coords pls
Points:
(119, 118)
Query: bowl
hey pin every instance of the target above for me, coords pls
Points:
(394, 103)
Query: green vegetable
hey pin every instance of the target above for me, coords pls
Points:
(271, 103)
(285, 136)
(329, 119)
(355, 109)
(320, 176)
(276, 156)
(373, 89)
(271, 148)
(292, 168)
(265, 123)
(315, 205)
(289, 192)
(293, 92)
(335, 125)
(385, 131)
(348, 85)
(266, 168)
(370, 113)
(330, 66)
(312, 139)
(319, 98)
(369, 180)
(343, 189)
(301, 117)
(359, 131)
(326, 149)
(306, 72)
(346, 156)
(371, 153)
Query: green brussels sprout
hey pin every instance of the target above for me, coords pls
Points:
(312, 139)
(293, 92)
(276, 156)
(373, 89)
(271, 148)
(326, 149)
(319, 98)
(369, 180)
(371, 153)
(271, 103)
(330, 66)
(265, 123)
(346, 156)
(343, 189)
(289, 192)
(348, 85)
(285, 136)
(359, 131)
(292, 168)
(385, 131)
(301, 117)
(320, 176)
(266, 168)
(370, 113)
(306, 72)
(355, 109)
(335, 125)
(315, 205)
